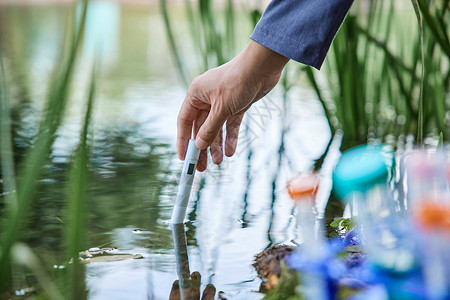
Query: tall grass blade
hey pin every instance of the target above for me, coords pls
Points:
(37, 157)
(230, 28)
(7, 166)
(438, 30)
(6, 147)
(421, 104)
(77, 197)
(328, 113)
(212, 38)
(441, 139)
(195, 32)
(172, 43)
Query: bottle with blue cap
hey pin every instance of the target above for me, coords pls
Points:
(361, 180)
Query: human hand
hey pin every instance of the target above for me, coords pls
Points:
(222, 95)
(191, 289)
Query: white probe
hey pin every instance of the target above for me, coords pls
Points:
(184, 188)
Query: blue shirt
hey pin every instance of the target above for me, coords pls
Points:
(301, 29)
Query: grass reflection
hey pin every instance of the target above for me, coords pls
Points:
(129, 173)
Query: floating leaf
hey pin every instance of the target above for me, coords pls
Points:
(105, 255)
(111, 257)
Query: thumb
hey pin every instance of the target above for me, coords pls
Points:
(210, 129)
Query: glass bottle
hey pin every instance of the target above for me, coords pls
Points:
(361, 179)
(313, 285)
(428, 202)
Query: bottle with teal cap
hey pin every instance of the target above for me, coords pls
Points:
(361, 180)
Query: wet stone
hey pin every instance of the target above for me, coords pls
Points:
(268, 264)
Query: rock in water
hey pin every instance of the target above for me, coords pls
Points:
(267, 265)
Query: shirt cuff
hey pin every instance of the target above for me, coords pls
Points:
(301, 30)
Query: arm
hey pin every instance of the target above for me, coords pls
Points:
(297, 29)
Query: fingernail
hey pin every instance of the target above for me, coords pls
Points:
(201, 144)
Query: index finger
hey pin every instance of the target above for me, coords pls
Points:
(186, 117)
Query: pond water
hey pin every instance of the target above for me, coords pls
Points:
(236, 210)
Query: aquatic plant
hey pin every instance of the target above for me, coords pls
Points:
(212, 32)
(380, 83)
(19, 194)
(76, 202)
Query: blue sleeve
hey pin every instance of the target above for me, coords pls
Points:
(301, 29)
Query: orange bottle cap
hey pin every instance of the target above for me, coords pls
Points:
(433, 215)
(303, 186)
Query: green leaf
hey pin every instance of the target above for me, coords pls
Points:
(337, 222)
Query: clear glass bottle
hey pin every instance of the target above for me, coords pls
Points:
(303, 191)
(429, 205)
(361, 179)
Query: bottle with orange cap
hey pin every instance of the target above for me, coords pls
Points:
(429, 205)
(433, 221)
(303, 190)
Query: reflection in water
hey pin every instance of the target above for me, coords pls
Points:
(192, 216)
(244, 218)
(188, 285)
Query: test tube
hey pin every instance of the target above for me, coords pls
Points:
(184, 188)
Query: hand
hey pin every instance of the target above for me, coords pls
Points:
(191, 289)
(222, 95)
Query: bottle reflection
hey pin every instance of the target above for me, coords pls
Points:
(188, 285)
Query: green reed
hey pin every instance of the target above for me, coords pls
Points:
(377, 89)
(77, 198)
(172, 41)
(212, 32)
(20, 192)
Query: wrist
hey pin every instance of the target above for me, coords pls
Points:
(264, 60)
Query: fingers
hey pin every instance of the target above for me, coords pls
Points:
(201, 117)
(216, 148)
(175, 291)
(211, 127)
(233, 124)
(196, 282)
(186, 117)
(202, 161)
(209, 292)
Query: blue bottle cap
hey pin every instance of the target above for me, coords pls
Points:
(359, 169)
